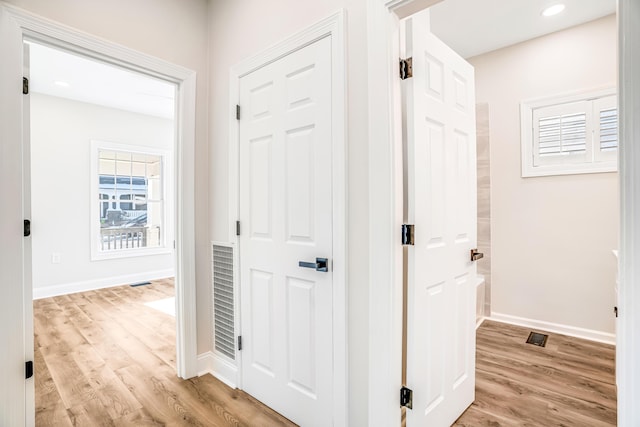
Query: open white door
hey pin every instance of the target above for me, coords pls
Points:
(13, 315)
(441, 170)
(286, 234)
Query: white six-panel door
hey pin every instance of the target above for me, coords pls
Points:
(441, 148)
(286, 218)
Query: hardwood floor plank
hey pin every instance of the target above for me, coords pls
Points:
(120, 355)
(104, 358)
(90, 413)
(219, 397)
(158, 398)
(139, 418)
(72, 385)
(570, 382)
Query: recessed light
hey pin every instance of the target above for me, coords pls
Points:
(553, 10)
(61, 83)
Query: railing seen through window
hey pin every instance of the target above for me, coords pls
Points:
(130, 197)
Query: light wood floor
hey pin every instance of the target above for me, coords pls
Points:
(570, 382)
(103, 358)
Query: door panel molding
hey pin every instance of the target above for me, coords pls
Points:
(332, 27)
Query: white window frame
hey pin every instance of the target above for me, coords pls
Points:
(167, 221)
(592, 161)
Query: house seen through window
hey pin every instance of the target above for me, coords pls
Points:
(130, 198)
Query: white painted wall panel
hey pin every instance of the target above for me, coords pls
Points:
(61, 136)
(175, 31)
(551, 236)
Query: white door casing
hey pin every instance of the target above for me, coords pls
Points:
(13, 309)
(441, 147)
(16, 312)
(30, 411)
(286, 217)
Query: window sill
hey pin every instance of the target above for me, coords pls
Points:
(128, 253)
(576, 169)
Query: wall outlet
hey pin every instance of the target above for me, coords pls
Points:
(56, 257)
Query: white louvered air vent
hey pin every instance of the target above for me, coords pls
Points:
(223, 307)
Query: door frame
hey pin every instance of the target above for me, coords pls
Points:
(40, 29)
(334, 27)
(628, 324)
(385, 195)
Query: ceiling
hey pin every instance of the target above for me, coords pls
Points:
(96, 82)
(473, 27)
(470, 27)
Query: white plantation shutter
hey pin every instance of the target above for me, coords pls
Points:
(606, 133)
(565, 134)
(608, 129)
(571, 134)
(561, 133)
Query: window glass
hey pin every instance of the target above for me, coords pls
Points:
(130, 193)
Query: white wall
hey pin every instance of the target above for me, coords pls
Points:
(551, 236)
(61, 134)
(243, 28)
(175, 31)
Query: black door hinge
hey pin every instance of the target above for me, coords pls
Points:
(237, 112)
(28, 370)
(408, 234)
(237, 228)
(27, 228)
(239, 342)
(25, 86)
(406, 68)
(615, 311)
(406, 398)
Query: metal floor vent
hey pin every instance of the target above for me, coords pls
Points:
(538, 339)
(135, 285)
(223, 308)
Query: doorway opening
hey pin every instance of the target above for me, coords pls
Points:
(102, 143)
(19, 26)
(507, 77)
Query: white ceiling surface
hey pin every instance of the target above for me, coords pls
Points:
(473, 27)
(98, 83)
(470, 27)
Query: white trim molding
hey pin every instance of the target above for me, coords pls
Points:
(558, 328)
(385, 206)
(92, 285)
(333, 27)
(218, 366)
(34, 27)
(628, 324)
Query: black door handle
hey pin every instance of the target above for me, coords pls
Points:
(321, 264)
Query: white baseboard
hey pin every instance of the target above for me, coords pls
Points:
(91, 285)
(572, 331)
(205, 363)
(222, 369)
(480, 321)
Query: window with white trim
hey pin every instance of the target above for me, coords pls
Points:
(571, 134)
(128, 192)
